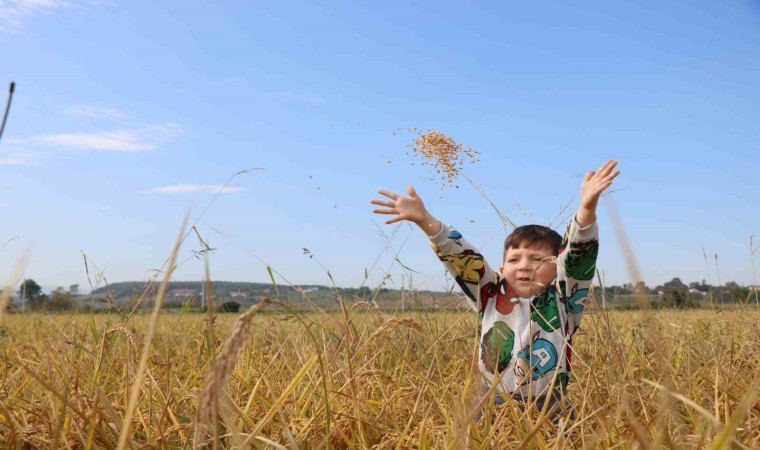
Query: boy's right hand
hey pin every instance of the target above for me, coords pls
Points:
(405, 208)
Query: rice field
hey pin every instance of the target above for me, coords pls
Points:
(363, 378)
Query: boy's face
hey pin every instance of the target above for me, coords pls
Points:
(528, 269)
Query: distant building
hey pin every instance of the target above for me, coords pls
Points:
(239, 294)
(306, 290)
(181, 293)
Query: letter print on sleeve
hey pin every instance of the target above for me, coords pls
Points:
(496, 347)
(578, 300)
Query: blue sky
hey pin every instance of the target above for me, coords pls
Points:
(126, 114)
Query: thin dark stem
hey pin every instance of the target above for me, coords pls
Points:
(7, 107)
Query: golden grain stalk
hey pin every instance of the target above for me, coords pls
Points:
(221, 369)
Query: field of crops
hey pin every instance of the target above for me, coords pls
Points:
(361, 378)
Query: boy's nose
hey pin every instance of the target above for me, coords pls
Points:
(526, 265)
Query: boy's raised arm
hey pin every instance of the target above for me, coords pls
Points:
(407, 208)
(594, 183)
(580, 245)
(461, 259)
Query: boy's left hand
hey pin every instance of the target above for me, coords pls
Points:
(594, 183)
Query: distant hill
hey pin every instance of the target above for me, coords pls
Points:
(248, 293)
(221, 289)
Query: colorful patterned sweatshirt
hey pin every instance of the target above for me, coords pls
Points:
(527, 342)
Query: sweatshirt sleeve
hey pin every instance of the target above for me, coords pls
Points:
(577, 267)
(465, 263)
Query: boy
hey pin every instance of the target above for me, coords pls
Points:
(530, 308)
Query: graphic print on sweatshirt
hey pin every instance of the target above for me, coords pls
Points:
(580, 263)
(496, 347)
(468, 265)
(506, 297)
(543, 309)
(535, 360)
(578, 300)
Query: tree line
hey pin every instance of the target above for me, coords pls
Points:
(228, 296)
(674, 293)
(31, 297)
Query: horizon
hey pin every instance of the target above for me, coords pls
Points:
(86, 290)
(275, 124)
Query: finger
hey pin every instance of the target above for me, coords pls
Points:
(412, 193)
(602, 187)
(600, 172)
(609, 177)
(393, 220)
(388, 194)
(608, 163)
(607, 167)
(383, 203)
(588, 176)
(385, 211)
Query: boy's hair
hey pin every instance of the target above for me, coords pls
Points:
(533, 234)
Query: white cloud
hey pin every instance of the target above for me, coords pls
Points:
(95, 112)
(14, 13)
(14, 154)
(184, 188)
(135, 140)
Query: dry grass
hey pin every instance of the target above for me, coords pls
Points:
(362, 378)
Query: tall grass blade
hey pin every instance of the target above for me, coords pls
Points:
(140, 374)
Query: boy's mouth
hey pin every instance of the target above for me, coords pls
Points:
(524, 279)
